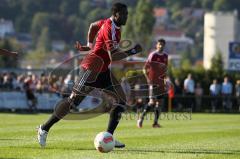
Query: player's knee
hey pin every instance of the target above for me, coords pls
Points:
(62, 108)
(75, 99)
(121, 99)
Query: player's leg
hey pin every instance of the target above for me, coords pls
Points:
(147, 107)
(63, 107)
(157, 111)
(118, 107)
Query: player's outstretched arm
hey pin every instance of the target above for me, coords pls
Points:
(8, 53)
(92, 32)
(119, 54)
(80, 47)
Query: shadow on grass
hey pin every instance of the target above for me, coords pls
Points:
(144, 151)
(186, 151)
(11, 158)
(58, 148)
(10, 139)
(14, 158)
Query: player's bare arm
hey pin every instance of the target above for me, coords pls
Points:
(92, 32)
(119, 54)
(7, 52)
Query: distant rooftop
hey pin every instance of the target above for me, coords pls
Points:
(172, 33)
(158, 12)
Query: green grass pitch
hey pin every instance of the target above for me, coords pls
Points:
(205, 136)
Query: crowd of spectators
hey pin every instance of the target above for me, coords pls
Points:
(10, 81)
(187, 93)
(221, 95)
(190, 94)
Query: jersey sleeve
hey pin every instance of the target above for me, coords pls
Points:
(108, 34)
(100, 23)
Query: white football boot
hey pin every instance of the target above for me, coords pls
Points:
(42, 136)
(119, 144)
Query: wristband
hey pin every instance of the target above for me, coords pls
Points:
(90, 45)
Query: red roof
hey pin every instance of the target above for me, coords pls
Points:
(158, 12)
(172, 33)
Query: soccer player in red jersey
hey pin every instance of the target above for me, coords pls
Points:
(95, 72)
(155, 70)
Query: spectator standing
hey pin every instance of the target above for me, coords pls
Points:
(215, 91)
(29, 90)
(189, 89)
(178, 93)
(198, 95)
(237, 93)
(226, 94)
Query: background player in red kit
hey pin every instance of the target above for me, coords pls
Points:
(94, 71)
(155, 71)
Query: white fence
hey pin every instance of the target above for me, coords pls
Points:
(18, 100)
(46, 101)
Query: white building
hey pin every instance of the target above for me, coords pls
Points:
(220, 28)
(6, 27)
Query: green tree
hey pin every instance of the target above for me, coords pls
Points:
(186, 64)
(96, 14)
(217, 65)
(128, 32)
(44, 41)
(221, 5)
(207, 4)
(84, 8)
(69, 7)
(144, 22)
(79, 30)
(40, 21)
(37, 58)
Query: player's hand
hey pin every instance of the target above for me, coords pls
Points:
(138, 48)
(79, 47)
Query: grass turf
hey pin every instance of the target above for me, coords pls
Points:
(205, 136)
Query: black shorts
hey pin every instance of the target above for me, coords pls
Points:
(100, 80)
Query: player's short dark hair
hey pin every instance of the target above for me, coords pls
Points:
(117, 7)
(162, 41)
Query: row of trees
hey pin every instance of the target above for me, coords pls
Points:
(68, 20)
(65, 20)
